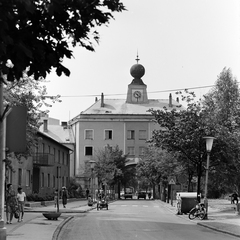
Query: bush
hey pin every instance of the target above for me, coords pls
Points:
(36, 198)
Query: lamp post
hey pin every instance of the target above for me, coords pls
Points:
(209, 143)
(92, 165)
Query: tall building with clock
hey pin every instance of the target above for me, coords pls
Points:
(123, 122)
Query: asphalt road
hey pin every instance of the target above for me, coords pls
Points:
(135, 219)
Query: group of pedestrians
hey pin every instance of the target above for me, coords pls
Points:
(14, 204)
(63, 195)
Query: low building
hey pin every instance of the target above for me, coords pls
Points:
(47, 169)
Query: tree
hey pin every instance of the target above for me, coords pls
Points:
(222, 104)
(37, 34)
(110, 166)
(181, 132)
(155, 166)
(30, 93)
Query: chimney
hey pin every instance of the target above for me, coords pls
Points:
(170, 100)
(45, 125)
(177, 99)
(102, 100)
(96, 99)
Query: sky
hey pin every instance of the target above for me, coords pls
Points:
(181, 44)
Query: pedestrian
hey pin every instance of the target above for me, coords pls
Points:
(11, 203)
(234, 198)
(87, 193)
(149, 195)
(64, 196)
(55, 197)
(21, 198)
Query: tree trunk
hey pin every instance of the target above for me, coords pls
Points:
(119, 190)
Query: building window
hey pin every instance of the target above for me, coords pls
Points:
(54, 154)
(49, 149)
(59, 156)
(131, 151)
(130, 134)
(48, 180)
(42, 179)
(142, 150)
(142, 134)
(63, 160)
(28, 178)
(9, 176)
(63, 185)
(89, 134)
(88, 151)
(19, 176)
(108, 148)
(108, 134)
(43, 148)
(54, 182)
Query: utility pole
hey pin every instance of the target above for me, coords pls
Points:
(3, 231)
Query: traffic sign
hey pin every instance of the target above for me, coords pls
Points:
(171, 182)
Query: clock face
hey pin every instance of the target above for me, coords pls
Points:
(137, 94)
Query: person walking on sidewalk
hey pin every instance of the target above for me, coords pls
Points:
(87, 193)
(21, 198)
(64, 196)
(55, 197)
(11, 203)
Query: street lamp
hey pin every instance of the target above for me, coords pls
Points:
(92, 165)
(209, 143)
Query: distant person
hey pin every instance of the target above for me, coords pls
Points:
(11, 203)
(87, 193)
(234, 198)
(21, 198)
(55, 197)
(149, 195)
(64, 196)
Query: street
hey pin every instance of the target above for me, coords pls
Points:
(135, 219)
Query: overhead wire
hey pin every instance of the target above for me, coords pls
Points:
(123, 94)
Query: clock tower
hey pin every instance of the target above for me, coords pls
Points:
(137, 90)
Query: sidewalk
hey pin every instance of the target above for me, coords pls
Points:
(222, 216)
(36, 226)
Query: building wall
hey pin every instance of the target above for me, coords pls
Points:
(119, 126)
(38, 178)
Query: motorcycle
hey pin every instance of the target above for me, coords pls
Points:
(102, 204)
(198, 211)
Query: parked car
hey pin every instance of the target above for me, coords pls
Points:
(128, 195)
(142, 195)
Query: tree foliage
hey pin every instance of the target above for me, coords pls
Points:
(222, 104)
(38, 34)
(216, 115)
(181, 132)
(110, 165)
(156, 165)
(29, 93)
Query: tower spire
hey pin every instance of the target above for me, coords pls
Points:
(137, 59)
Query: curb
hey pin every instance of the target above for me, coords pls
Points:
(217, 229)
(64, 222)
(59, 228)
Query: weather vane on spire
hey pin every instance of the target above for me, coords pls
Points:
(137, 59)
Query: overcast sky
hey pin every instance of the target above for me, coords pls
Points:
(181, 44)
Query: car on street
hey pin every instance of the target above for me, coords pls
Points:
(142, 195)
(128, 195)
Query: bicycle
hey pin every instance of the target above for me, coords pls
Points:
(198, 211)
